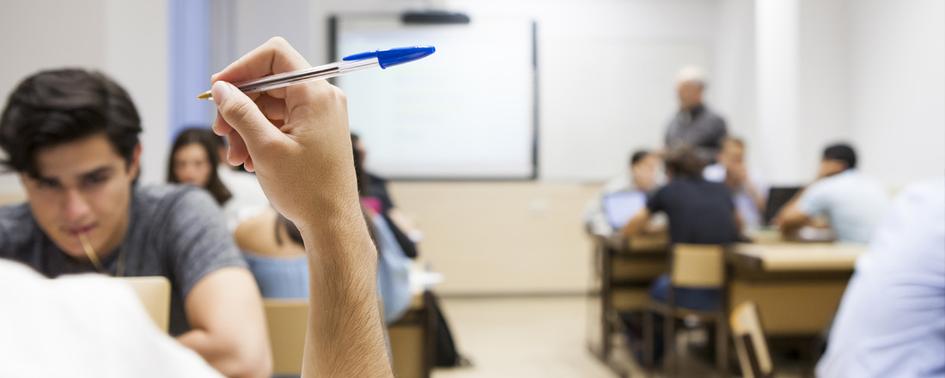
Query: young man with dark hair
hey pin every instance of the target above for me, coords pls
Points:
(72, 136)
(699, 212)
(852, 203)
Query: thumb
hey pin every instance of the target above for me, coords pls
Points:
(242, 114)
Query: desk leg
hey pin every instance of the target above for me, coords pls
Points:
(429, 333)
(606, 260)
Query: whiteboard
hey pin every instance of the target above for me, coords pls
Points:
(465, 112)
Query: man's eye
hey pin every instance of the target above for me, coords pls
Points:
(47, 184)
(95, 179)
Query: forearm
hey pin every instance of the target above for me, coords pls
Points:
(637, 224)
(222, 356)
(345, 334)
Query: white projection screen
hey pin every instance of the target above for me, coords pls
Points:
(467, 112)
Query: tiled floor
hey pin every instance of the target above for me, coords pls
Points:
(539, 337)
(522, 337)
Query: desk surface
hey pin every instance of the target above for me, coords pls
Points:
(787, 256)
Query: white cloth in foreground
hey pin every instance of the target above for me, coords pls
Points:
(890, 321)
(83, 326)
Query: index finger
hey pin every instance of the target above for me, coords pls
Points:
(273, 57)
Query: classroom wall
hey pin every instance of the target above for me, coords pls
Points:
(126, 40)
(897, 87)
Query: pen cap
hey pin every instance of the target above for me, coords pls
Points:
(395, 56)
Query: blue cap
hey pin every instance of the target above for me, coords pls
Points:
(395, 56)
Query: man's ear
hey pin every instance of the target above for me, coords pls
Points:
(134, 166)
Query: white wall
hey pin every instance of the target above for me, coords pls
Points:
(126, 40)
(897, 87)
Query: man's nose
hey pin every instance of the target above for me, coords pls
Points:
(76, 206)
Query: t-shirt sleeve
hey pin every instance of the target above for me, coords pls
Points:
(198, 240)
(814, 200)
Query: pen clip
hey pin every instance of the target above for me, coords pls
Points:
(393, 57)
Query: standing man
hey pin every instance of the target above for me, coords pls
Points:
(695, 124)
(72, 137)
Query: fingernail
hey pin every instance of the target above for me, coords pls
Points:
(220, 90)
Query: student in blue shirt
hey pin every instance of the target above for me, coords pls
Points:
(852, 203)
(891, 321)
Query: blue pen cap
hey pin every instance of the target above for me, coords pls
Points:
(395, 56)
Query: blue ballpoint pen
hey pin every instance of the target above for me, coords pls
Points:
(350, 63)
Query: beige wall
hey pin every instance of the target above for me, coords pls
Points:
(502, 237)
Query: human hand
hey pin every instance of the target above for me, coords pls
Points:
(295, 138)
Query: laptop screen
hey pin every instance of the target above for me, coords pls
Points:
(621, 206)
(777, 198)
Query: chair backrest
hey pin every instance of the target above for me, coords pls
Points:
(154, 292)
(750, 344)
(287, 320)
(695, 265)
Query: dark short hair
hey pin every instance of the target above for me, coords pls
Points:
(638, 156)
(55, 107)
(684, 161)
(211, 144)
(841, 152)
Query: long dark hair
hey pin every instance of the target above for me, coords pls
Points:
(211, 145)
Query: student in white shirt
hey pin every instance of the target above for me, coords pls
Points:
(852, 203)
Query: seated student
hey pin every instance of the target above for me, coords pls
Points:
(852, 203)
(890, 322)
(194, 159)
(749, 193)
(624, 195)
(346, 340)
(699, 212)
(72, 136)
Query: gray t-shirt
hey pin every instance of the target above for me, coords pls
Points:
(174, 231)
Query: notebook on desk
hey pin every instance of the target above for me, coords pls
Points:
(619, 207)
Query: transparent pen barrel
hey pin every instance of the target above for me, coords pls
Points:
(322, 72)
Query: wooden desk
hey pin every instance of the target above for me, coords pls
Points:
(797, 286)
(799, 257)
(623, 271)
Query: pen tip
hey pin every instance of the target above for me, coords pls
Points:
(205, 96)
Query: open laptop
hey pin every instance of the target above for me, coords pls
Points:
(619, 207)
(778, 196)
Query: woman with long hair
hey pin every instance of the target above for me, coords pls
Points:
(194, 160)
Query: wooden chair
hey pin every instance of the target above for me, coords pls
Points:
(287, 321)
(154, 292)
(750, 344)
(691, 266)
(410, 338)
